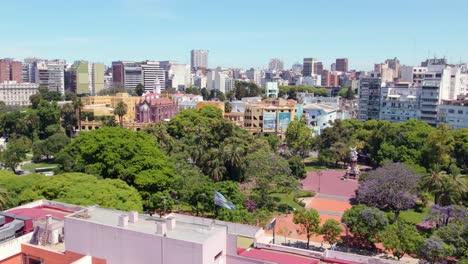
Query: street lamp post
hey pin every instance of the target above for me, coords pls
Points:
(319, 177)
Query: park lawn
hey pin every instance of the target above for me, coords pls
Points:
(414, 217)
(312, 165)
(288, 198)
(32, 166)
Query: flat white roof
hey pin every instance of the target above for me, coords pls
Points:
(186, 231)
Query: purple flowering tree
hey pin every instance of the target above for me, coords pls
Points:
(251, 205)
(434, 250)
(443, 215)
(391, 187)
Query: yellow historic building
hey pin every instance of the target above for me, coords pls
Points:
(104, 105)
(271, 115)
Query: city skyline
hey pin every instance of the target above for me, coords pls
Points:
(160, 30)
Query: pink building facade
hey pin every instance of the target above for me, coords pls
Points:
(152, 110)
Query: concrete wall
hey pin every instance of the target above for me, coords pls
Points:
(54, 257)
(12, 247)
(119, 246)
(213, 247)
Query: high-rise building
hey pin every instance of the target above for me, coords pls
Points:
(399, 102)
(127, 74)
(318, 68)
(308, 66)
(255, 76)
(198, 59)
(50, 74)
(413, 75)
(151, 70)
(11, 70)
(330, 79)
(342, 65)
(276, 65)
(333, 67)
(86, 78)
(369, 98)
(178, 75)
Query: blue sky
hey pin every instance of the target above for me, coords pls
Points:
(238, 33)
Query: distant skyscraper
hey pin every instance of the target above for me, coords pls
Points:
(276, 65)
(308, 66)
(11, 70)
(198, 59)
(86, 78)
(127, 74)
(318, 68)
(51, 74)
(342, 65)
(333, 67)
(151, 71)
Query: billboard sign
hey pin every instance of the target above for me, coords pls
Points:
(284, 120)
(269, 121)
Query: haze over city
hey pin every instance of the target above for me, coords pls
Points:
(233, 132)
(238, 34)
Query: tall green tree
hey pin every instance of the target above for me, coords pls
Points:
(120, 110)
(49, 118)
(365, 223)
(309, 220)
(49, 147)
(161, 203)
(438, 148)
(68, 118)
(401, 238)
(15, 152)
(139, 89)
(331, 231)
(114, 152)
(299, 137)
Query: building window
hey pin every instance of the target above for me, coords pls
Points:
(31, 260)
(451, 111)
(460, 112)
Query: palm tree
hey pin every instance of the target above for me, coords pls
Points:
(78, 105)
(433, 182)
(459, 185)
(233, 156)
(215, 165)
(121, 110)
(447, 194)
(67, 115)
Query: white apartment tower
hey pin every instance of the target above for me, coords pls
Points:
(198, 59)
(151, 71)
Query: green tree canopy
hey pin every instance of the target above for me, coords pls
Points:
(401, 238)
(49, 147)
(15, 152)
(114, 152)
(309, 220)
(139, 89)
(331, 231)
(74, 188)
(365, 223)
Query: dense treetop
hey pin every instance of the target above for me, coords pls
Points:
(74, 188)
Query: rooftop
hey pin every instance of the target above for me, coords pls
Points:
(195, 233)
(41, 208)
(276, 256)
